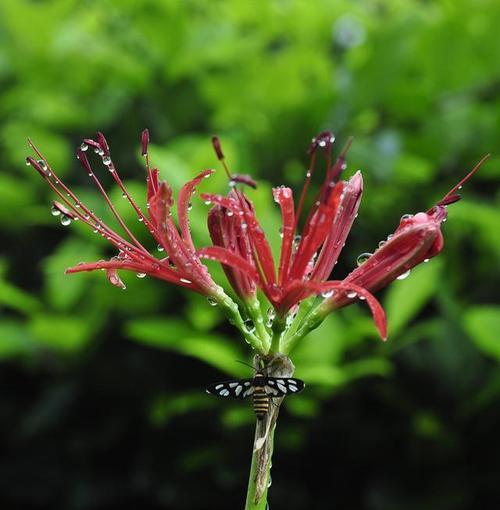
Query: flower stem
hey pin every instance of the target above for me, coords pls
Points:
(311, 320)
(232, 311)
(255, 313)
(263, 446)
(279, 326)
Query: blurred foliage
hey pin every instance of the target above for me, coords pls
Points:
(102, 403)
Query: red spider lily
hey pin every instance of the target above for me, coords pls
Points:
(181, 266)
(306, 260)
(417, 239)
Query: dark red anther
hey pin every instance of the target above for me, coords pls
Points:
(63, 209)
(37, 166)
(451, 196)
(91, 143)
(242, 179)
(449, 200)
(323, 141)
(217, 148)
(145, 142)
(103, 144)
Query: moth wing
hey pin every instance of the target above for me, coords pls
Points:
(282, 386)
(232, 389)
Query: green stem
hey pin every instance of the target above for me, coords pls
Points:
(256, 499)
(233, 313)
(303, 311)
(263, 446)
(311, 321)
(255, 313)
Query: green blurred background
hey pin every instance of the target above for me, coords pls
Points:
(102, 403)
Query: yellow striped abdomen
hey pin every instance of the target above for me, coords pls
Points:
(260, 402)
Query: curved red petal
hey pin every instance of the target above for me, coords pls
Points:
(410, 245)
(153, 183)
(160, 204)
(339, 298)
(227, 257)
(346, 209)
(284, 197)
(184, 197)
(227, 202)
(115, 279)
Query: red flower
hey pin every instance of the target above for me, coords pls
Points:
(307, 259)
(240, 244)
(181, 266)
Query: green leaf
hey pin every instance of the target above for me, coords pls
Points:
(482, 323)
(65, 290)
(328, 375)
(17, 299)
(176, 336)
(166, 407)
(15, 339)
(60, 332)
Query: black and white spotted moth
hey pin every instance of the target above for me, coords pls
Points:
(262, 388)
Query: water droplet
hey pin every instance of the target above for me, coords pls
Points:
(190, 206)
(184, 280)
(249, 325)
(65, 220)
(426, 260)
(124, 195)
(308, 174)
(84, 147)
(296, 240)
(363, 258)
(160, 248)
(208, 202)
(42, 164)
(243, 226)
(269, 483)
(280, 231)
(271, 313)
(100, 152)
(106, 160)
(351, 294)
(55, 211)
(404, 275)
(140, 218)
(212, 301)
(381, 243)
(406, 217)
(141, 275)
(327, 293)
(229, 213)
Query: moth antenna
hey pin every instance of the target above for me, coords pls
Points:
(245, 363)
